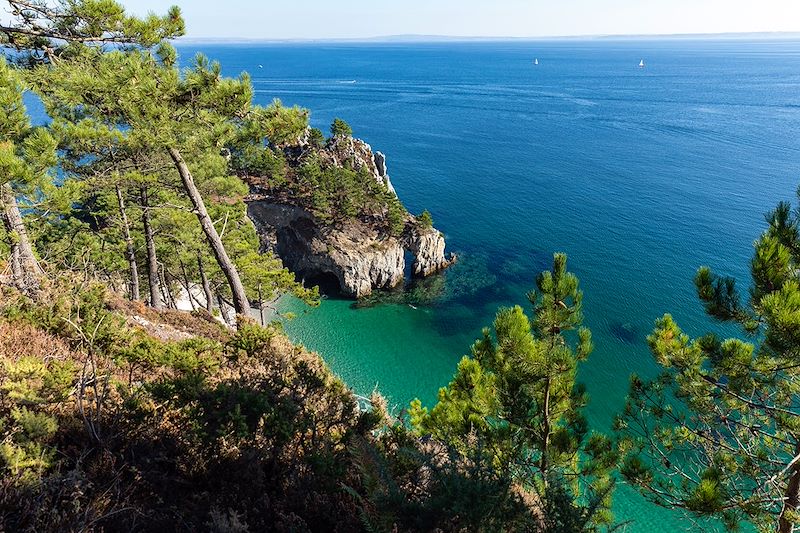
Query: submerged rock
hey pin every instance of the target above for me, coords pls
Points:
(627, 332)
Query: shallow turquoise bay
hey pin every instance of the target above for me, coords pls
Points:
(640, 175)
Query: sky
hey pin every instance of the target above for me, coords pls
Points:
(319, 19)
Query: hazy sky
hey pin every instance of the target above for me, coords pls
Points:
(519, 18)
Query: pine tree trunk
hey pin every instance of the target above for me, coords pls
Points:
(240, 302)
(261, 305)
(546, 431)
(791, 499)
(206, 284)
(16, 266)
(166, 294)
(152, 260)
(169, 279)
(25, 268)
(223, 312)
(129, 249)
(187, 285)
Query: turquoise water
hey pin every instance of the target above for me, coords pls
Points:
(640, 175)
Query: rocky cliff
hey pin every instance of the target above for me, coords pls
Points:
(355, 255)
(342, 149)
(350, 255)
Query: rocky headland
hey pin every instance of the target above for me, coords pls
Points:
(352, 254)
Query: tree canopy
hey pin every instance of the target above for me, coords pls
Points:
(142, 141)
(718, 433)
(43, 30)
(517, 396)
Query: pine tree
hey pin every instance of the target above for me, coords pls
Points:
(135, 111)
(137, 93)
(44, 30)
(130, 249)
(425, 219)
(40, 31)
(340, 128)
(517, 392)
(26, 156)
(718, 433)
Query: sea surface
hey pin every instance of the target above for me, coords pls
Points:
(640, 175)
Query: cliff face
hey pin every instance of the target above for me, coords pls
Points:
(357, 256)
(351, 255)
(427, 245)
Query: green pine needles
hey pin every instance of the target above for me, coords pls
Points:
(517, 395)
(718, 433)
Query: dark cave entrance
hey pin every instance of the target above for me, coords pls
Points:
(327, 282)
(408, 272)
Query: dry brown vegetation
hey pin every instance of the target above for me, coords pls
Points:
(18, 340)
(106, 426)
(169, 324)
(223, 431)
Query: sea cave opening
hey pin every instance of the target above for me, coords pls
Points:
(327, 282)
(408, 272)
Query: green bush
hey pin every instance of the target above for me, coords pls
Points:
(340, 128)
(79, 315)
(396, 215)
(29, 387)
(250, 339)
(316, 138)
(425, 219)
(260, 161)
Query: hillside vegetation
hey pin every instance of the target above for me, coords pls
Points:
(105, 425)
(335, 178)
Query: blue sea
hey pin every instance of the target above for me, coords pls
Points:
(639, 175)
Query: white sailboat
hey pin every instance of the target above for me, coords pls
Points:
(641, 63)
(536, 61)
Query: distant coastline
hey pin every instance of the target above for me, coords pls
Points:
(400, 39)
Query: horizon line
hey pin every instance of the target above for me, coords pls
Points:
(432, 38)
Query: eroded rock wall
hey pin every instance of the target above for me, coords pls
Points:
(358, 256)
(361, 255)
(427, 245)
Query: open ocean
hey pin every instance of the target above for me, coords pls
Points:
(640, 175)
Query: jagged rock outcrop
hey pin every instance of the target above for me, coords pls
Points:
(360, 257)
(341, 149)
(381, 170)
(359, 253)
(427, 245)
(355, 254)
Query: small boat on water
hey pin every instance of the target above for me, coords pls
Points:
(641, 63)
(536, 61)
(412, 306)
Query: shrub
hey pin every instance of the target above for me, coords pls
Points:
(316, 138)
(396, 215)
(340, 128)
(425, 219)
(29, 387)
(250, 339)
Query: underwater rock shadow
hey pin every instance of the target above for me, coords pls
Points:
(624, 332)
